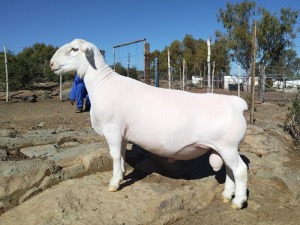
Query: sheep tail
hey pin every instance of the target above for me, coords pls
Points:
(240, 103)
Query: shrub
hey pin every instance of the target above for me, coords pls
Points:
(292, 123)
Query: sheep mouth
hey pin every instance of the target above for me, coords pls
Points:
(58, 70)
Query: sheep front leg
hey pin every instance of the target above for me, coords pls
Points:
(115, 149)
(123, 151)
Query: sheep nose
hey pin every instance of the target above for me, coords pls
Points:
(51, 64)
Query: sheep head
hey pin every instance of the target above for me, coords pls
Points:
(74, 57)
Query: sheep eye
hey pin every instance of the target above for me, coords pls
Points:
(74, 49)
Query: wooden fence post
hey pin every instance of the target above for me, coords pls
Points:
(253, 73)
(147, 63)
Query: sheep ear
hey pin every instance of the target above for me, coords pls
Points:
(89, 53)
(85, 48)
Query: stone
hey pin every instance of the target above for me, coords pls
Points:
(5, 133)
(41, 124)
(17, 177)
(3, 154)
(40, 151)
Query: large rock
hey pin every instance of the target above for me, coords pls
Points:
(260, 142)
(24, 95)
(10, 139)
(20, 180)
(154, 200)
(18, 177)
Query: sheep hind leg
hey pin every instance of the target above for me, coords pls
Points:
(236, 179)
(241, 179)
(216, 162)
(229, 186)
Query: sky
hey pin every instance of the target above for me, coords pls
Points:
(112, 22)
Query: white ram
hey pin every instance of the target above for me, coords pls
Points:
(170, 123)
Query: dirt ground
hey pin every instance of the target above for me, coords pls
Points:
(50, 111)
(20, 117)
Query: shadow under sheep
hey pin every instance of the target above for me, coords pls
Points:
(146, 163)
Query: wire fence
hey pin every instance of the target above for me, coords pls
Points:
(271, 87)
(129, 59)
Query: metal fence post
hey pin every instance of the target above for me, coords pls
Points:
(156, 74)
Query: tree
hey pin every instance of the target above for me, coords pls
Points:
(13, 69)
(288, 63)
(163, 63)
(236, 21)
(274, 34)
(28, 67)
(219, 54)
(200, 57)
(189, 45)
(195, 53)
(176, 58)
(35, 64)
(119, 68)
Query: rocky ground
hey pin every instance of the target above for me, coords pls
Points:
(55, 170)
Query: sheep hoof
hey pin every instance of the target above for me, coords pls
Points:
(112, 189)
(226, 200)
(234, 206)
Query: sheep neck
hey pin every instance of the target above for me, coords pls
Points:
(95, 79)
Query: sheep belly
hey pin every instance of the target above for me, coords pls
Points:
(190, 152)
